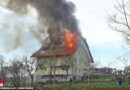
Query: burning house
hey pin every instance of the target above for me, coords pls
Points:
(65, 54)
(64, 61)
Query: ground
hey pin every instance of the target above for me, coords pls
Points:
(86, 84)
(102, 80)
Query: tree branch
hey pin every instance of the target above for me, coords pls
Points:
(125, 15)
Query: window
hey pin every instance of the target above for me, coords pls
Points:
(62, 76)
(44, 61)
(44, 69)
(65, 68)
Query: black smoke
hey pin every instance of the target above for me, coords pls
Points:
(52, 13)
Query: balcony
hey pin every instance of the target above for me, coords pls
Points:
(63, 72)
(59, 64)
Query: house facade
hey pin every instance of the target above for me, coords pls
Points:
(127, 69)
(104, 70)
(64, 63)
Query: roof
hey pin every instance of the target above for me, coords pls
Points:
(88, 50)
(45, 52)
(61, 51)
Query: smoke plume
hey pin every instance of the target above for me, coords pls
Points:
(53, 17)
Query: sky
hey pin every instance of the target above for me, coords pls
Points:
(105, 44)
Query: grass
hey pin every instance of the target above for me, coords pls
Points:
(102, 76)
(85, 84)
(103, 80)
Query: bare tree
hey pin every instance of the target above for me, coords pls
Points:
(32, 66)
(15, 70)
(2, 71)
(120, 20)
(123, 59)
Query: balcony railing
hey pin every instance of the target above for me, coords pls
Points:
(60, 64)
(56, 72)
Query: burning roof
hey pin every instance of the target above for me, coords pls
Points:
(63, 51)
(69, 46)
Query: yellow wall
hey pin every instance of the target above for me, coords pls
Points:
(49, 60)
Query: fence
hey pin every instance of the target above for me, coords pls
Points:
(112, 88)
(87, 88)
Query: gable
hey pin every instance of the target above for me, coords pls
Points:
(87, 50)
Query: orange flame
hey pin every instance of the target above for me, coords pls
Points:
(70, 39)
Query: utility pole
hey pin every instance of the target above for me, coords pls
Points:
(54, 63)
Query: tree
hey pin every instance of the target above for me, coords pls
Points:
(123, 59)
(120, 20)
(16, 69)
(32, 66)
(2, 71)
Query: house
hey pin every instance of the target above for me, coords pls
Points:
(64, 63)
(127, 69)
(104, 70)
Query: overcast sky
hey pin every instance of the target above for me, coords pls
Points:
(105, 44)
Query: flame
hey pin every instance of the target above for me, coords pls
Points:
(70, 45)
(70, 39)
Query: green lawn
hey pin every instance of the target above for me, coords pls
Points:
(85, 84)
(102, 80)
